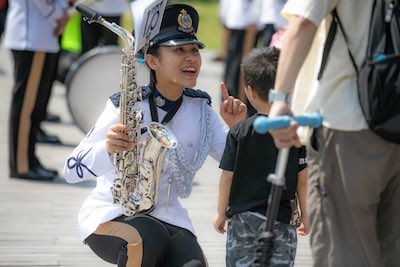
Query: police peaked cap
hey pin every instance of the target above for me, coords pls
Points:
(178, 27)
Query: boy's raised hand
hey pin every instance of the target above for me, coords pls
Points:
(232, 110)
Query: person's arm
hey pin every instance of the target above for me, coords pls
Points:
(298, 40)
(225, 183)
(304, 228)
(91, 158)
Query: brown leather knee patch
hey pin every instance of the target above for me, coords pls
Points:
(130, 235)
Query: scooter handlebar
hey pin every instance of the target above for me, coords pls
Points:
(264, 124)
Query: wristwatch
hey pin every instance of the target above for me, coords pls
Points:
(277, 96)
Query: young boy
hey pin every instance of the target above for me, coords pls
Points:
(247, 160)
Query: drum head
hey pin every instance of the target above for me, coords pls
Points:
(91, 80)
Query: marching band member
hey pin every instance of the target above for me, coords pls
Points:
(165, 236)
(32, 31)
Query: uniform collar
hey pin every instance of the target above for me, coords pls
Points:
(162, 102)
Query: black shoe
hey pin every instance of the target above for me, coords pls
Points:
(36, 164)
(52, 118)
(51, 171)
(44, 138)
(38, 173)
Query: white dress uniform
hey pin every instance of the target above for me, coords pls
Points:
(30, 25)
(199, 132)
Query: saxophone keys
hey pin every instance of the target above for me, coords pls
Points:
(146, 204)
(129, 209)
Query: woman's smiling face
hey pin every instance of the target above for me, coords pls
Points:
(176, 66)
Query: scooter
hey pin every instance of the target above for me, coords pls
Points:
(265, 241)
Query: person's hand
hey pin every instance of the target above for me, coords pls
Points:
(219, 223)
(285, 137)
(232, 110)
(61, 23)
(304, 228)
(117, 139)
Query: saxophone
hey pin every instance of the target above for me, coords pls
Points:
(139, 170)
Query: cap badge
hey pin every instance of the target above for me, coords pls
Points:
(185, 22)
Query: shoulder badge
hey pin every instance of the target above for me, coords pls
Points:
(185, 22)
(195, 93)
(115, 99)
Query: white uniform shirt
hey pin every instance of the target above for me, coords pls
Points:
(90, 159)
(271, 12)
(30, 25)
(241, 13)
(222, 10)
(335, 96)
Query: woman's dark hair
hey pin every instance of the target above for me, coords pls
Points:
(259, 70)
(155, 52)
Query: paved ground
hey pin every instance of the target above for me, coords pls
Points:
(38, 220)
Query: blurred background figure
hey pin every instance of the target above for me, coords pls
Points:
(3, 13)
(274, 23)
(242, 20)
(42, 136)
(32, 34)
(222, 7)
(80, 37)
(96, 35)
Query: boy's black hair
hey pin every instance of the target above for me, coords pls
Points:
(259, 70)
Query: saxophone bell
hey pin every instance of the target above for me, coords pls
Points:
(159, 141)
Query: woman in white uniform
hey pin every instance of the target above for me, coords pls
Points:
(165, 236)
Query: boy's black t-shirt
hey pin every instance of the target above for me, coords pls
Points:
(251, 157)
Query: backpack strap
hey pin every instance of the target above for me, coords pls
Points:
(327, 48)
(329, 42)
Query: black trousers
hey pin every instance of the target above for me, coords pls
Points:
(266, 34)
(95, 34)
(233, 61)
(144, 241)
(34, 74)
